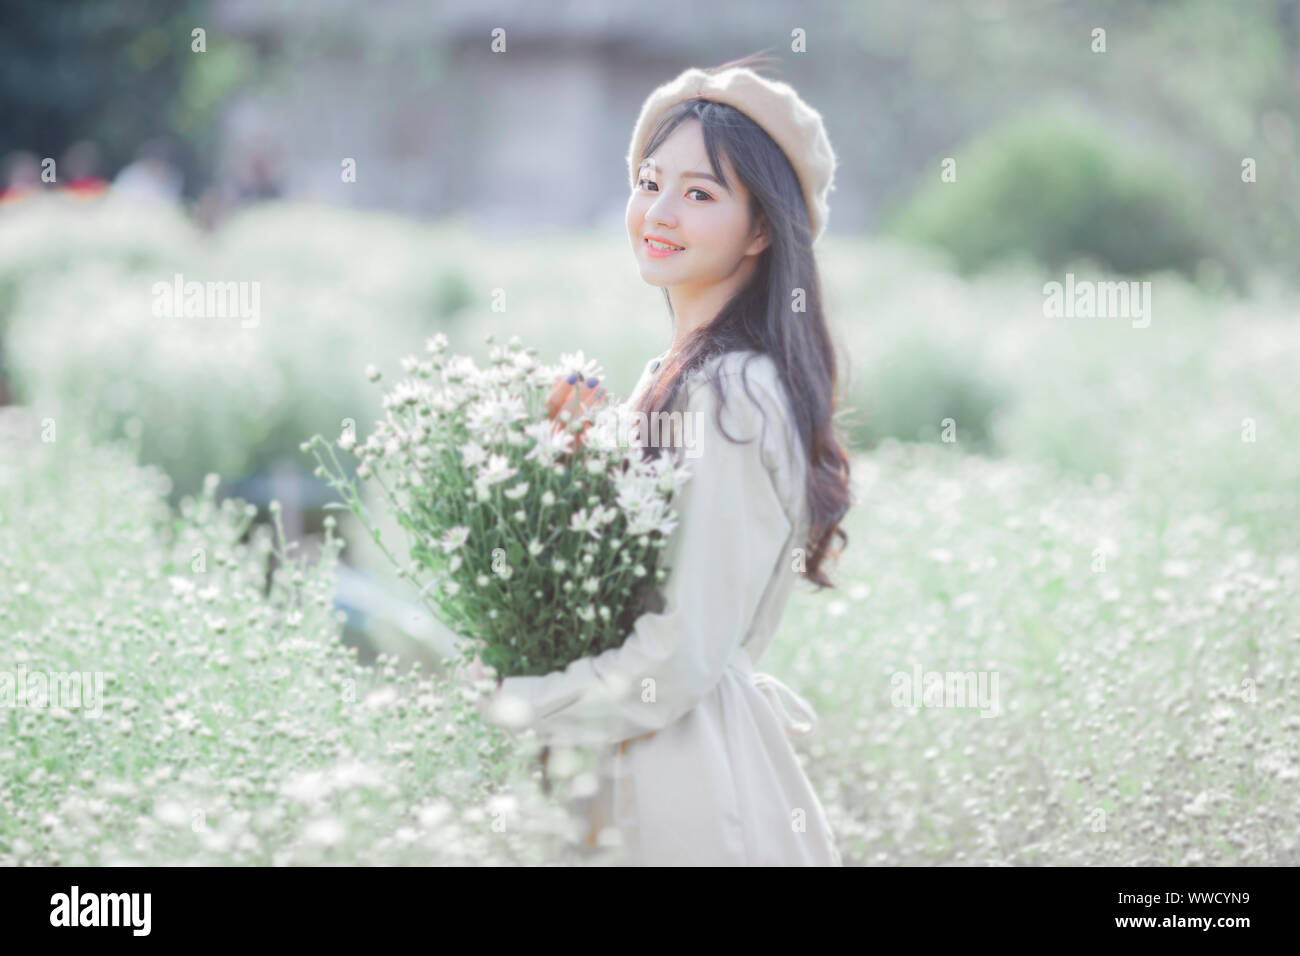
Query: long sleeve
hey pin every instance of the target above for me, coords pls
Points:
(724, 551)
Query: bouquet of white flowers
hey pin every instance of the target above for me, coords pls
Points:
(535, 522)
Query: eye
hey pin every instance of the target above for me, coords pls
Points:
(693, 189)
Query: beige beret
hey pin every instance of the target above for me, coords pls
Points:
(793, 125)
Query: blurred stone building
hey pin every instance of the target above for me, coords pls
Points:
(439, 125)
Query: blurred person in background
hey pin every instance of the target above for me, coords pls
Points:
(214, 206)
(256, 179)
(152, 177)
(79, 171)
(22, 176)
(251, 178)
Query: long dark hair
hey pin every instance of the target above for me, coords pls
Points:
(760, 317)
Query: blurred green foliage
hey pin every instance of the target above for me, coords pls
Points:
(341, 289)
(916, 388)
(1058, 188)
(1199, 85)
(118, 74)
(451, 293)
(82, 342)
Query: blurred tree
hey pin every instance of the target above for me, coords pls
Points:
(1200, 85)
(117, 74)
(1057, 187)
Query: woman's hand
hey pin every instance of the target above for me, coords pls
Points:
(574, 395)
(471, 673)
(474, 673)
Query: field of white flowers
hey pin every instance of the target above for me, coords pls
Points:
(1112, 542)
(233, 727)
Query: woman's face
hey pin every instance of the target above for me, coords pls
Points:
(678, 200)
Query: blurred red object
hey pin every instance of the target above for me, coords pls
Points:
(87, 187)
(574, 397)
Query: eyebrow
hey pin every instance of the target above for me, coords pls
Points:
(692, 175)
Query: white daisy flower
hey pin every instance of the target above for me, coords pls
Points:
(551, 442)
(577, 362)
(632, 496)
(584, 523)
(496, 411)
(454, 538)
(407, 393)
(472, 455)
(652, 516)
(461, 368)
(497, 470)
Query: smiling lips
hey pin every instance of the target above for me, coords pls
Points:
(660, 248)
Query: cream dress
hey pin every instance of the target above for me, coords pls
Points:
(695, 765)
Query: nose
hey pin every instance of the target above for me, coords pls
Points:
(660, 212)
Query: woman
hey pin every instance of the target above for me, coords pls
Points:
(729, 175)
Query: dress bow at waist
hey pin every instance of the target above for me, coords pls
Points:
(795, 714)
